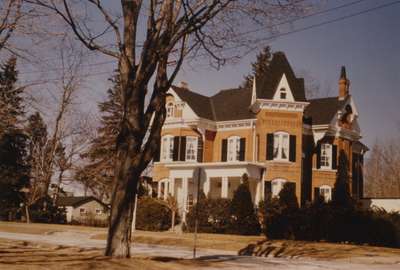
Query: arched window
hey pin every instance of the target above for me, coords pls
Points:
(325, 192)
(167, 148)
(277, 186)
(282, 93)
(281, 146)
(170, 110)
(234, 148)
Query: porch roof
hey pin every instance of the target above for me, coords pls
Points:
(217, 169)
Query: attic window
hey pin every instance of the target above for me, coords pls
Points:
(170, 110)
(283, 93)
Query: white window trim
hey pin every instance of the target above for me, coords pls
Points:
(280, 182)
(195, 145)
(233, 148)
(280, 135)
(328, 156)
(329, 196)
(169, 150)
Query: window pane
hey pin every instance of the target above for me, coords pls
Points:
(285, 146)
(276, 145)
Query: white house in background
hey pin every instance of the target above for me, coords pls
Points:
(84, 210)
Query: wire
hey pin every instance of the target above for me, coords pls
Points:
(239, 34)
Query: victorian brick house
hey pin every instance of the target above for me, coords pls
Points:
(270, 132)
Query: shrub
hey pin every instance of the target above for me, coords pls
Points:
(152, 215)
(244, 218)
(44, 211)
(212, 215)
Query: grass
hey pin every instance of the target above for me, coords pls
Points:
(15, 255)
(247, 245)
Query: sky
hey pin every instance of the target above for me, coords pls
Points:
(367, 44)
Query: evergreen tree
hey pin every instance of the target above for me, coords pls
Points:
(287, 197)
(259, 68)
(38, 154)
(244, 217)
(341, 192)
(98, 173)
(14, 169)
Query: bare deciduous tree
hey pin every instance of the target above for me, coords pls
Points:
(382, 170)
(10, 14)
(150, 40)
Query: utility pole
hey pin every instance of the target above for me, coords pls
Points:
(197, 176)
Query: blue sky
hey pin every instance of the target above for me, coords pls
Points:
(368, 45)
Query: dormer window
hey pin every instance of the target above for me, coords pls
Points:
(170, 110)
(283, 93)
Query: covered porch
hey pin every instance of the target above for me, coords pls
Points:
(217, 180)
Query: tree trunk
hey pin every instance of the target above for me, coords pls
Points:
(122, 205)
(27, 215)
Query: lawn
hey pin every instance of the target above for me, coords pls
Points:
(15, 255)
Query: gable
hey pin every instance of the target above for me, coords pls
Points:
(283, 88)
(266, 85)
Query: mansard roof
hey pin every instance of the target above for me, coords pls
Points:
(229, 104)
(321, 111)
(267, 84)
(200, 104)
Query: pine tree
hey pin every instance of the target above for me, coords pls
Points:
(341, 192)
(260, 68)
(244, 217)
(38, 155)
(97, 175)
(14, 168)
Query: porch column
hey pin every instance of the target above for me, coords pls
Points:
(185, 197)
(258, 197)
(224, 187)
(159, 189)
(166, 189)
(206, 186)
(172, 187)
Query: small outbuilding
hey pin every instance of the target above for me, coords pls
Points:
(84, 210)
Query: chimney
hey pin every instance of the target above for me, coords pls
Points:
(344, 84)
(184, 85)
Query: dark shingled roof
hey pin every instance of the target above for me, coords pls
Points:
(232, 104)
(266, 85)
(322, 110)
(75, 201)
(200, 104)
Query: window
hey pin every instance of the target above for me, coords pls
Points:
(326, 193)
(233, 148)
(283, 93)
(98, 212)
(326, 156)
(164, 189)
(281, 146)
(167, 148)
(277, 186)
(82, 211)
(191, 148)
(170, 110)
